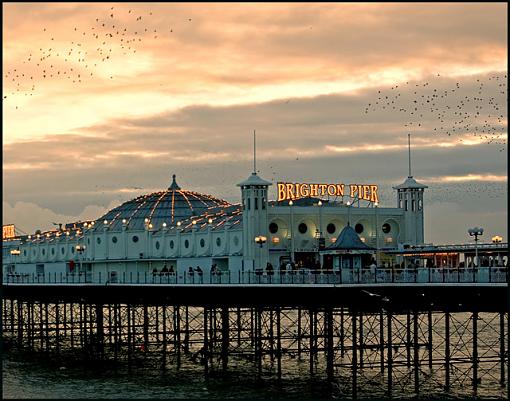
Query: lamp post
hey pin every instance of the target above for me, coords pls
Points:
(260, 240)
(291, 231)
(376, 204)
(349, 213)
(80, 249)
(475, 232)
(320, 243)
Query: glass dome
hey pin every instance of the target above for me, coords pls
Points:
(170, 207)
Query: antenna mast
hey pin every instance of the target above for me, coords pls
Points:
(254, 154)
(409, 146)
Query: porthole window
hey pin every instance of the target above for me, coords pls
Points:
(218, 241)
(98, 240)
(63, 250)
(172, 244)
(302, 228)
(114, 239)
(331, 228)
(202, 242)
(386, 228)
(186, 244)
(157, 244)
(135, 238)
(273, 228)
(359, 228)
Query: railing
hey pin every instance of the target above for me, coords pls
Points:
(302, 276)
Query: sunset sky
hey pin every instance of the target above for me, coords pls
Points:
(105, 101)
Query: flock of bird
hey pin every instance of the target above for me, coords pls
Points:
(111, 36)
(473, 108)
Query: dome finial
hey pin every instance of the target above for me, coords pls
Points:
(174, 185)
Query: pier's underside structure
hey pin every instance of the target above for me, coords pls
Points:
(399, 339)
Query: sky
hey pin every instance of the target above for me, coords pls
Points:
(103, 102)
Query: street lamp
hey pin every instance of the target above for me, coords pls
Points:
(475, 232)
(260, 240)
(80, 249)
(497, 239)
(291, 231)
(376, 205)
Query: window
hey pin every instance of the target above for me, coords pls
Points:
(302, 228)
(172, 244)
(157, 244)
(359, 228)
(53, 251)
(400, 203)
(63, 250)
(98, 240)
(405, 208)
(134, 238)
(236, 241)
(273, 228)
(186, 244)
(202, 242)
(263, 203)
(218, 241)
(256, 203)
(413, 205)
(331, 228)
(88, 241)
(72, 249)
(44, 251)
(386, 228)
(114, 239)
(420, 204)
(248, 203)
(24, 252)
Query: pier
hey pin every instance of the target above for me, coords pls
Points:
(407, 332)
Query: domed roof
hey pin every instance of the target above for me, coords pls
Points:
(168, 207)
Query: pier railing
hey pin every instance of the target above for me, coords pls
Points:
(302, 276)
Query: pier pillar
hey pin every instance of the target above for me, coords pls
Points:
(390, 356)
(224, 337)
(430, 339)
(447, 350)
(354, 356)
(475, 351)
(416, 354)
(100, 330)
(163, 364)
(502, 347)
(206, 344)
(278, 343)
(329, 343)
(381, 340)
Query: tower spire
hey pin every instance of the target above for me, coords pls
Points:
(409, 146)
(254, 153)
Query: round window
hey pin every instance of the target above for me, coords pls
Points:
(331, 228)
(386, 228)
(53, 251)
(202, 242)
(359, 228)
(157, 244)
(135, 238)
(98, 240)
(273, 228)
(63, 250)
(302, 228)
(114, 239)
(218, 241)
(186, 244)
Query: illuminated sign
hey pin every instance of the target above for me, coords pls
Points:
(287, 190)
(8, 231)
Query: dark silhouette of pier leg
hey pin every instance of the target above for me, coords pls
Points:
(381, 340)
(447, 351)
(408, 339)
(354, 356)
(163, 363)
(502, 347)
(299, 333)
(100, 330)
(224, 337)
(312, 334)
(430, 347)
(360, 340)
(278, 343)
(206, 343)
(330, 357)
(416, 354)
(475, 351)
(390, 356)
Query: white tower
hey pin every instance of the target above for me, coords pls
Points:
(254, 198)
(410, 199)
